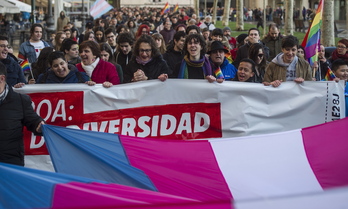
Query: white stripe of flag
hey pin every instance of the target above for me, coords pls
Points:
(99, 8)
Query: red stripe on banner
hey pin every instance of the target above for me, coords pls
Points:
(188, 169)
(173, 121)
(326, 147)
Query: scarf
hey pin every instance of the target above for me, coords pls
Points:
(90, 68)
(140, 61)
(4, 94)
(336, 56)
(203, 63)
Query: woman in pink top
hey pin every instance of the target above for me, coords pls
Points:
(98, 70)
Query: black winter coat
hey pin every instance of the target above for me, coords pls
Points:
(15, 112)
(152, 69)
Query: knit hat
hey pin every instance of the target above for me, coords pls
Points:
(225, 29)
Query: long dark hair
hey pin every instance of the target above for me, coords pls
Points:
(254, 52)
(41, 65)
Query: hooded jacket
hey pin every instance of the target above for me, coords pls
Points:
(277, 70)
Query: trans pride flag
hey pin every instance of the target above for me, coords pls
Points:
(289, 163)
(311, 41)
(99, 8)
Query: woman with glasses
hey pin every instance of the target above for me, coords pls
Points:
(257, 54)
(97, 69)
(142, 30)
(147, 62)
(341, 52)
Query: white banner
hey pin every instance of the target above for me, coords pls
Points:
(184, 109)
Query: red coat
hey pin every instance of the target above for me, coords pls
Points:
(104, 71)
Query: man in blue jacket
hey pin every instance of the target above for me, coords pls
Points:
(15, 76)
(218, 60)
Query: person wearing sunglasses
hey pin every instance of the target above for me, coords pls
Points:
(146, 63)
(341, 51)
(286, 66)
(257, 54)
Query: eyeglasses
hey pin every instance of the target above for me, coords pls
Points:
(5, 46)
(260, 55)
(145, 50)
(341, 47)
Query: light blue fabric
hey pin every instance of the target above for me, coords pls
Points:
(92, 155)
(22, 187)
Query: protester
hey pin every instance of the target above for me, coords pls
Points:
(159, 42)
(273, 41)
(41, 65)
(168, 32)
(301, 53)
(111, 35)
(132, 27)
(142, 30)
(341, 51)
(106, 55)
(322, 66)
(195, 64)
(207, 24)
(124, 50)
(30, 50)
(340, 69)
(219, 61)
(89, 36)
(231, 40)
(16, 111)
(15, 76)
(89, 28)
(253, 37)
(98, 70)
(58, 40)
(61, 72)
(246, 71)
(71, 50)
(193, 29)
(99, 34)
(62, 21)
(206, 34)
(175, 53)
(74, 34)
(286, 66)
(257, 54)
(67, 32)
(147, 62)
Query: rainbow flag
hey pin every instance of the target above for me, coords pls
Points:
(329, 75)
(311, 42)
(176, 7)
(165, 9)
(25, 65)
(218, 73)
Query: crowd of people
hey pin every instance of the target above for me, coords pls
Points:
(128, 46)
